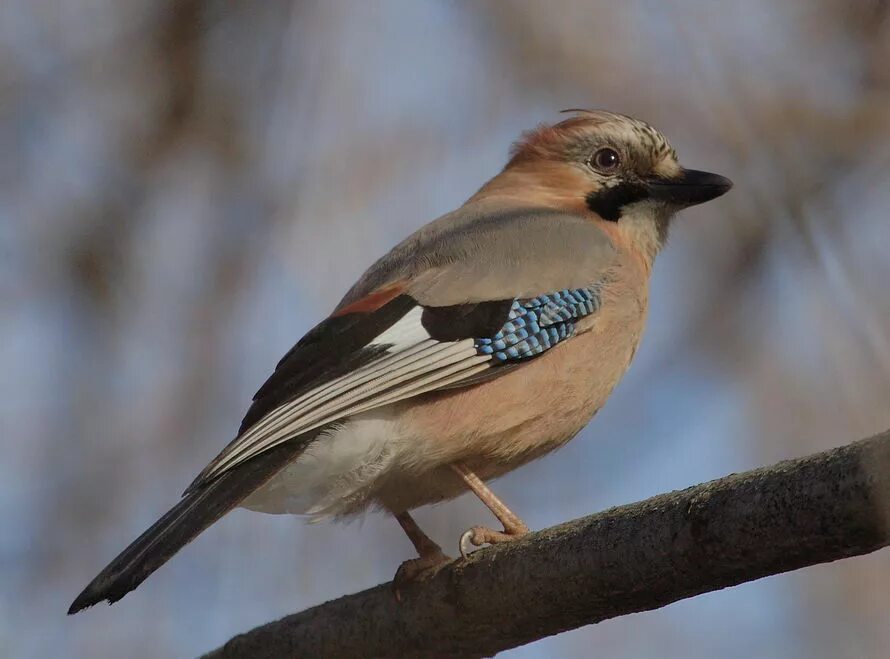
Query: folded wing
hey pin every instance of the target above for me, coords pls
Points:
(424, 349)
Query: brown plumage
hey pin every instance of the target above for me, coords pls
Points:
(484, 340)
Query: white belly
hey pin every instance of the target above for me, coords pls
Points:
(336, 472)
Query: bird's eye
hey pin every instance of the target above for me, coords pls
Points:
(605, 160)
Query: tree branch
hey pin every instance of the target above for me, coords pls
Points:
(638, 557)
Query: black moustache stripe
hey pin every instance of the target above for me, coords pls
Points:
(608, 202)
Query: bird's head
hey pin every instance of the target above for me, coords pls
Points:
(620, 170)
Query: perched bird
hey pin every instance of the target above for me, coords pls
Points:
(484, 340)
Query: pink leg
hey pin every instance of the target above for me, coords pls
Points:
(514, 527)
(430, 556)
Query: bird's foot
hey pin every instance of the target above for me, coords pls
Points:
(481, 535)
(418, 569)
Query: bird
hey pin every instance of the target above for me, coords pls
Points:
(486, 339)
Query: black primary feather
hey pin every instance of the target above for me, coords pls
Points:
(335, 347)
(332, 348)
(182, 523)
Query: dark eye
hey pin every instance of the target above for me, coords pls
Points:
(605, 160)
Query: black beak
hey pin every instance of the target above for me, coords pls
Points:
(690, 188)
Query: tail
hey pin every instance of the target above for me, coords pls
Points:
(195, 512)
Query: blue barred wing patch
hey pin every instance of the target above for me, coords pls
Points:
(538, 324)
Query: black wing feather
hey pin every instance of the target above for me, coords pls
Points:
(332, 348)
(182, 523)
(465, 321)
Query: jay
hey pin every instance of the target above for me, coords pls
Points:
(486, 339)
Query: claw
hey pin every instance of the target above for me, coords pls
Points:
(416, 570)
(466, 540)
(482, 535)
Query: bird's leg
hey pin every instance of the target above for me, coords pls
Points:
(480, 535)
(430, 556)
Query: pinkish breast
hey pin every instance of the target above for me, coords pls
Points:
(504, 423)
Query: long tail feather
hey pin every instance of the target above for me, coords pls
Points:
(182, 523)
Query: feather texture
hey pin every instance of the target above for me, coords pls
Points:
(182, 523)
(406, 362)
(409, 361)
(536, 325)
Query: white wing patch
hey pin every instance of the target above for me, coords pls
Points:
(413, 365)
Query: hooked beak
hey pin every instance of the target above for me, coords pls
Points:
(690, 188)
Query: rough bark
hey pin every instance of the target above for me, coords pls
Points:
(638, 557)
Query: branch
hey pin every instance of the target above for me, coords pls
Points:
(638, 557)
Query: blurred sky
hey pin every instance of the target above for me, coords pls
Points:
(186, 187)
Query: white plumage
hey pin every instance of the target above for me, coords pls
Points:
(333, 470)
